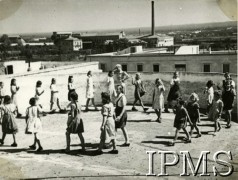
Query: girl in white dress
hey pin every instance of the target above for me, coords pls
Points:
(14, 89)
(111, 85)
(34, 125)
(39, 92)
(90, 91)
(158, 98)
(54, 94)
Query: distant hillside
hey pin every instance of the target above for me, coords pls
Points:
(143, 30)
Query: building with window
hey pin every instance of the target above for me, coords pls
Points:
(152, 61)
(71, 44)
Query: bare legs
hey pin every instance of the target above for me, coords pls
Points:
(57, 103)
(87, 103)
(124, 130)
(228, 118)
(68, 141)
(158, 113)
(196, 128)
(176, 136)
(14, 139)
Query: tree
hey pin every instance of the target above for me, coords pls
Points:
(5, 45)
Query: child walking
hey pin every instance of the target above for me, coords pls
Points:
(210, 94)
(74, 123)
(9, 125)
(14, 89)
(139, 92)
(228, 97)
(54, 94)
(108, 123)
(111, 85)
(194, 114)
(158, 98)
(33, 121)
(180, 122)
(90, 91)
(2, 92)
(39, 92)
(174, 92)
(71, 87)
(216, 111)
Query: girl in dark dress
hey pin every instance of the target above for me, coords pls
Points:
(75, 123)
(71, 87)
(174, 92)
(228, 97)
(180, 122)
(139, 91)
(9, 125)
(193, 112)
(121, 114)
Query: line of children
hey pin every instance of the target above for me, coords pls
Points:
(75, 124)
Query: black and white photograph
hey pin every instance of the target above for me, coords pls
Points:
(118, 89)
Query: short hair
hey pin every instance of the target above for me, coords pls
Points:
(69, 78)
(12, 80)
(74, 96)
(32, 101)
(89, 72)
(121, 88)
(53, 80)
(110, 72)
(227, 74)
(38, 83)
(105, 97)
(1, 83)
(181, 101)
(176, 73)
(7, 99)
(210, 83)
(218, 93)
(195, 96)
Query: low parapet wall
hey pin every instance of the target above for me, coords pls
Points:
(190, 82)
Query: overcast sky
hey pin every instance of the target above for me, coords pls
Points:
(20, 16)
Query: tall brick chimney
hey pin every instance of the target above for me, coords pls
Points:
(152, 18)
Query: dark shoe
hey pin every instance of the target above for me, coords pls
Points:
(171, 143)
(188, 141)
(158, 120)
(166, 111)
(125, 145)
(14, 145)
(96, 109)
(86, 110)
(218, 129)
(134, 109)
(19, 115)
(199, 135)
(145, 109)
(98, 152)
(114, 151)
(108, 146)
(1, 142)
(39, 149)
(228, 126)
(33, 147)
